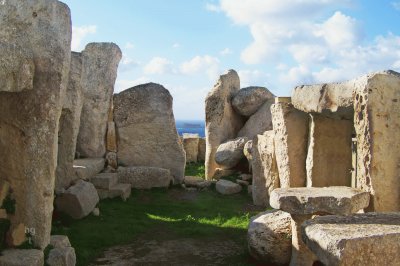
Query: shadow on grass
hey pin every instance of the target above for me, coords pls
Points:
(184, 214)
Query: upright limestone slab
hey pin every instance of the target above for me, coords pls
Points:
(265, 170)
(329, 152)
(29, 119)
(146, 129)
(377, 125)
(291, 137)
(99, 71)
(69, 124)
(222, 122)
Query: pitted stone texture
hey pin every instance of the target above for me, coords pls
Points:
(332, 99)
(269, 237)
(229, 154)
(265, 170)
(29, 119)
(330, 200)
(99, 71)
(79, 200)
(62, 256)
(248, 101)
(69, 124)
(146, 129)
(58, 241)
(22, 257)
(104, 180)
(259, 122)
(358, 239)
(329, 158)
(111, 141)
(191, 146)
(222, 122)
(227, 187)
(145, 177)
(201, 157)
(377, 124)
(291, 139)
(87, 168)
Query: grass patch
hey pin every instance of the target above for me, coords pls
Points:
(196, 214)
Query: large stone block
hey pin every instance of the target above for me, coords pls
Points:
(259, 122)
(291, 128)
(99, 71)
(222, 122)
(229, 154)
(358, 239)
(226, 187)
(329, 158)
(191, 146)
(146, 129)
(248, 101)
(29, 119)
(377, 125)
(145, 177)
(69, 124)
(269, 237)
(22, 257)
(265, 169)
(201, 157)
(87, 168)
(79, 200)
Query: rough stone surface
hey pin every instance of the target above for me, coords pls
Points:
(329, 158)
(79, 200)
(223, 172)
(331, 200)
(259, 122)
(301, 254)
(229, 154)
(358, 239)
(192, 181)
(147, 134)
(291, 139)
(248, 101)
(22, 257)
(99, 71)
(222, 122)
(104, 180)
(377, 124)
(69, 124)
(145, 177)
(265, 170)
(333, 99)
(227, 187)
(29, 120)
(191, 146)
(111, 159)
(63, 256)
(87, 168)
(111, 141)
(120, 190)
(269, 237)
(201, 157)
(58, 241)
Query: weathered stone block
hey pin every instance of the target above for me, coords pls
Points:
(58, 241)
(265, 170)
(291, 139)
(104, 180)
(229, 154)
(191, 147)
(62, 256)
(329, 152)
(227, 187)
(22, 257)
(201, 157)
(222, 122)
(248, 101)
(145, 177)
(111, 141)
(87, 168)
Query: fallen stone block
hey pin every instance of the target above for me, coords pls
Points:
(219, 173)
(120, 190)
(269, 237)
(357, 239)
(78, 200)
(62, 256)
(145, 177)
(22, 257)
(58, 241)
(229, 154)
(227, 187)
(248, 101)
(192, 181)
(87, 168)
(104, 180)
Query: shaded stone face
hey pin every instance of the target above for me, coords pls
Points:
(147, 134)
(230, 153)
(222, 122)
(377, 125)
(329, 158)
(29, 119)
(191, 146)
(248, 101)
(99, 72)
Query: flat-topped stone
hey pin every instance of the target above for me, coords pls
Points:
(358, 239)
(104, 180)
(192, 181)
(88, 167)
(332, 200)
(227, 187)
(22, 257)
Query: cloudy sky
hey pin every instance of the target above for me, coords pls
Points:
(185, 45)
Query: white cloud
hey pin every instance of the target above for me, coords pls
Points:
(226, 51)
(396, 5)
(158, 65)
(213, 8)
(127, 64)
(206, 63)
(129, 45)
(253, 78)
(176, 45)
(79, 34)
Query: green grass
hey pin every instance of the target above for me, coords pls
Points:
(206, 214)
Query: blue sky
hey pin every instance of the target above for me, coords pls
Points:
(185, 45)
